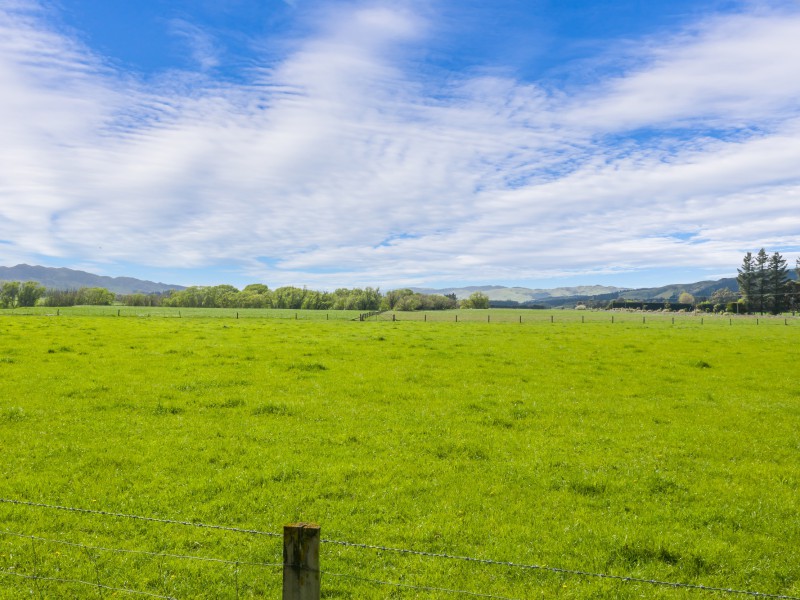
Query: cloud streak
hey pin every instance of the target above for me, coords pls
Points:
(344, 162)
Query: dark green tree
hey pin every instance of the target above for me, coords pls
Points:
(9, 293)
(29, 293)
(777, 283)
(747, 280)
(761, 280)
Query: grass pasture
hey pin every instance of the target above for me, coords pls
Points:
(648, 450)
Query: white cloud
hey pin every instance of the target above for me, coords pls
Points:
(338, 166)
(200, 43)
(729, 72)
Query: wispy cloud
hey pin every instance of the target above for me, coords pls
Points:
(200, 43)
(343, 163)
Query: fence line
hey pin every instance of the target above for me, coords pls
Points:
(216, 560)
(423, 588)
(145, 552)
(438, 555)
(81, 582)
(488, 561)
(106, 513)
(316, 315)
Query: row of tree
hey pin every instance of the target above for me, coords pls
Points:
(764, 286)
(259, 295)
(764, 283)
(93, 296)
(14, 294)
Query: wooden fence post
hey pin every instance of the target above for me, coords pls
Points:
(301, 561)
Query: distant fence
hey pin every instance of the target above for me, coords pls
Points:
(366, 315)
(588, 317)
(302, 572)
(492, 315)
(161, 312)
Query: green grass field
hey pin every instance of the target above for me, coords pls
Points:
(649, 450)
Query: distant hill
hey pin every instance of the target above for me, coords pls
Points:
(69, 279)
(498, 293)
(700, 289)
(65, 279)
(565, 296)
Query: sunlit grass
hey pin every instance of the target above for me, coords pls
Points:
(642, 449)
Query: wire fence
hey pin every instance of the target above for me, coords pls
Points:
(491, 315)
(164, 312)
(36, 576)
(99, 586)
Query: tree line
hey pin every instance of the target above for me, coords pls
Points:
(14, 294)
(764, 283)
(258, 295)
(764, 286)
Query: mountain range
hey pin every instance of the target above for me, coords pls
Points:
(498, 293)
(70, 279)
(63, 278)
(563, 296)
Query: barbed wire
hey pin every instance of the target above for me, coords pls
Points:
(424, 588)
(106, 513)
(245, 563)
(440, 555)
(488, 561)
(145, 552)
(81, 582)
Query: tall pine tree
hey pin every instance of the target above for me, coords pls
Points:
(761, 280)
(778, 282)
(747, 280)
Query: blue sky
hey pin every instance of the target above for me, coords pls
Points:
(436, 143)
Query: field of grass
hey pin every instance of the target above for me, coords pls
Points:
(649, 450)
